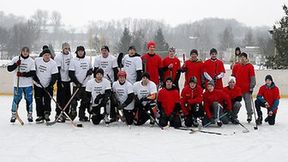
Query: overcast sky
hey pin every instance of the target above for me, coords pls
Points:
(173, 12)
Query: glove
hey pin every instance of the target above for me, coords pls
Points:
(18, 62)
(89, 72)
(97, 99)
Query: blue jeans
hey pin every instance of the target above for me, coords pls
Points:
(28, 94)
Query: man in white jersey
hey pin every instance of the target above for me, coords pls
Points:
(124, 94)
(63, 84)
(45, 78)
(145, 95)
(132, 64)
(99, 91)
(108, 63)
(23, 67)
(80, 70)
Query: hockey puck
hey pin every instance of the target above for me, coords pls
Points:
(79, 125)
(255, 128)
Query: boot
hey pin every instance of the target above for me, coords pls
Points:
(39, 120)
(219, 123)
(13, 117)
(259, 120)
(29, 117)
(249, 118)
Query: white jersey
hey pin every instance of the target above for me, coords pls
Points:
(97, 88)
(44, 71)
(143, 91)
(107, 64)
(26, 65)
(131, 65)
(63, 61)
(122, 92)
(80, 66)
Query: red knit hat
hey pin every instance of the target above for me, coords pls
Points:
(122, 73)
(151, 43)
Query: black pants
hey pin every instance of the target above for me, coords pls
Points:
(269, 119)
(43, 101)
(196, 111)
(63, 96)
(143, 112)
(96, 115)
(128, 114)
(84, 103)
(174, 120)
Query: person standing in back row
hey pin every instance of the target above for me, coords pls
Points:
(132, 65)
(245, 79)
(214, 70)
(63, 84)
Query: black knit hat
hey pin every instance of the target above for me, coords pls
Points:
(147, 75)
(46, 50)
(132, 48)
(269, 77)
(213, 50)
(45, 46)
(193, 51)
(101, 71)
(80, 48)
(193, 79)
(105, 47)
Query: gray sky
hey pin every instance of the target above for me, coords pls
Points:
(173, 12)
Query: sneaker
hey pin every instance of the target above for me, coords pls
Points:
(46, 117)
(259, 120)
(13, 117)
(249, 118)
(40, 119)
(219, 123)
(29, 117)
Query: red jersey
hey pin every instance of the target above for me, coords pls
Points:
(215, 96)
(153, 64)
(194, 68)
(176, 66)
(214, 68)
(270, 94)
(243, 74)
(233, 93)
(190, 96)
(168, 99)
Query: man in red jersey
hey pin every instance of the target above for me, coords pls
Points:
(169, 104)
(245, 77)
(171, 66)
(234, 92)
(267, 97)
(194, 67)
(214, 69)
(216, 103)
(191, 103)
(152, 63)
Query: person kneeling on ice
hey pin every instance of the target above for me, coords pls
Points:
(191, 102)
(99, 89)
(24, 69)
(169, 104)
(124, 96)
(145, 95)
(45, 78)
(235, 94)
(217, 106)
(267, 97)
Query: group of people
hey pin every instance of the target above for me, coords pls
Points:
(136, 88)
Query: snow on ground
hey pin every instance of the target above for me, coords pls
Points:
(62, 142)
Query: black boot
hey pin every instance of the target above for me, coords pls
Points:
(39, 120)
(259, 120)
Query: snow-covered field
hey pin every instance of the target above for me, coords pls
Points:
(62, 142)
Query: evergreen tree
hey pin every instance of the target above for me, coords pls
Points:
(159, 39)
(137, 41)
(227, 39)
(125, 41)
(280, 36)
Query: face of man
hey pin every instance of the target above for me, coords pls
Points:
(99, 76)
(194, 57)
(151, 49)
(131, 52)
(213, 56)
(25, 53)
(268, 82)
(210, 88)
(192, 85)
(243, 59)
(80, 53)
(171, 53)
(122, 79)
(46, 57)
(104, 53)
(169, 84)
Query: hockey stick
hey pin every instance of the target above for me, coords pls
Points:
(152, 118)
(51, 97)
(63, 110)
(245, 129)
(254, 111)
(203, 131)
(17, 91)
